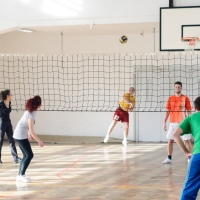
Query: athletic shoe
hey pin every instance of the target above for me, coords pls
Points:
(1, 162)
(18, 160)
(18, 178)
(106, 139)
(25, 179)
(124, 142)
(167, 161)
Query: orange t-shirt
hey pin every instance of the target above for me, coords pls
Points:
(178, 105)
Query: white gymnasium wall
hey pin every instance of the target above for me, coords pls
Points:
(93, 123)
(155, 83)
(46, 43)
(33, 13)
(74, 123)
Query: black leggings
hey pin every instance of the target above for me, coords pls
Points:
(6, 127)
(25, 147)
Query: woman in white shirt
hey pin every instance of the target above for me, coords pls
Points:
(24, 133)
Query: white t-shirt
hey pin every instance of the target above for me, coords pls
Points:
(22, 128)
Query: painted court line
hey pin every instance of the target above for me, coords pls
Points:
(74, 163)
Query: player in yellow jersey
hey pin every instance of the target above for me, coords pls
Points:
(126, 104)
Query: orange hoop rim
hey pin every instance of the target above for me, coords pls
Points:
(190, 42)
(186, 39)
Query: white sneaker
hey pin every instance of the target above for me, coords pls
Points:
(25, 179)
(106, 139)
(166, 161)
(124, 142)
(18, 178)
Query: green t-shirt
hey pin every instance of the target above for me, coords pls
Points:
(191, 124)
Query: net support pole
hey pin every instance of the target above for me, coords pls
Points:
(61, 43)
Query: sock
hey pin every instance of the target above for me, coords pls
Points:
(125, 139)
(170, 157)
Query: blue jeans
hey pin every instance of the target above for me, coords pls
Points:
(6, 127)
(192, 182)
(25, 147)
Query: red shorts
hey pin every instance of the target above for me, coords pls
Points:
(121, 115)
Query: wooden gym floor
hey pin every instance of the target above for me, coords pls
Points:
(95, 172)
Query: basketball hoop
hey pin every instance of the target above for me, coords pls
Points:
(189, 43)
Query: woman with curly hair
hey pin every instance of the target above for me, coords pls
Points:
(5, 124)
(24, 133)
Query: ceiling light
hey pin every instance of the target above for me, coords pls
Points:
(25, 30)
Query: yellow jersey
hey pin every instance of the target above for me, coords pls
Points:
(125, 106)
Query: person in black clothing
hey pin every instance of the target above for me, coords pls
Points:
(5, 124)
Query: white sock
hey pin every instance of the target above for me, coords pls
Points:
(125, 139)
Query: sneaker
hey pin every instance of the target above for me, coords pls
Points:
(18, 178)
(106, 139)
(20, 186)
(124, 142)
(18, 160)
(25, 179)
(166, 161)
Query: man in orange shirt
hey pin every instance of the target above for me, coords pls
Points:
(126, 104)
(176, 107)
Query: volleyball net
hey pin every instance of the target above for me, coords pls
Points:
(97, 82)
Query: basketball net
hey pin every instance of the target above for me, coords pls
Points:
(189, 43)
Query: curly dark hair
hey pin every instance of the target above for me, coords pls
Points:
(3, 95)
(197, 103)
(33, 103)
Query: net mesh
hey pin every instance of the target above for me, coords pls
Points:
(97, 82)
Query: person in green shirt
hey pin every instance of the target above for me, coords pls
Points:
(191, 124)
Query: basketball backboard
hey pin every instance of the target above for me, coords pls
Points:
(176, 23)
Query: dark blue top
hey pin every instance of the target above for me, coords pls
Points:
(5, 112)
